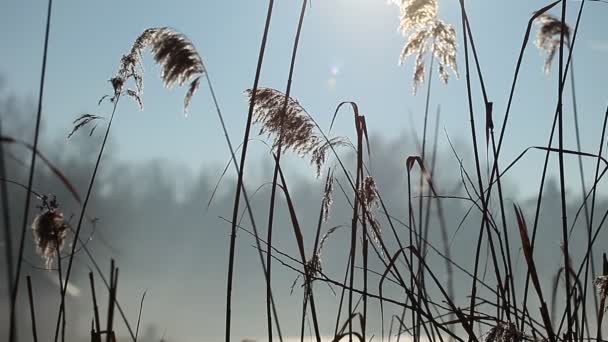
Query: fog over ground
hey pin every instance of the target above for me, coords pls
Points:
(154, 221)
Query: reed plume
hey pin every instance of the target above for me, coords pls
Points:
(601, 284)
(424, 30)
(49, 230)
(369, 195)
(504, 332)
(548, 37)
(172, 51)
(299, 130)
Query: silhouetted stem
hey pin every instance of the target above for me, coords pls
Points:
(240, 176)
(15, 288)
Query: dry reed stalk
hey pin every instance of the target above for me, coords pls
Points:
(602, 287)
(532, 271)
(97, 326)
(562, 175)
(484, 200)
(32, 311)
(300, 242)
(545, 165)
(15, 287)
(489, 128)
(315, 263)
(6, 222)
(548, 40)
(239, 187)
(600, 305)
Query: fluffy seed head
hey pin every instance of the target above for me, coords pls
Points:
(369, 194)
(601, 284)
(440, 38)
(49, 230)
(414, 13)
(548, 37)
(173, 52)
(299, 132)
(327, 200)
(370, 201)
(504, 332)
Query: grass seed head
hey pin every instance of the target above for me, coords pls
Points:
(548, 37)
(299, 132)
(504, 332)
(425, 31)
(369, 193)
(415, 13)
(601, 284)
(49, 230)
(172, 51)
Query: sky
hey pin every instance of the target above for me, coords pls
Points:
(349, 50)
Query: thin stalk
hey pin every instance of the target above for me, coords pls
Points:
(421, 224)
(562, 181)
(95, 308)
(6, 220)
(600, 309)
(442, 223)
(344, 287)
(586, 209)
(240, 176)
(276, 173)
(490, 126)
(111, 304)
(587, 254)
(300, 241)
(546, 161)
(484, 220)
(32, 311)
(60, 278)
(411, 236)
(15, 288)
(84, 206)
(354, 221)
(247, 204)
(364, 244)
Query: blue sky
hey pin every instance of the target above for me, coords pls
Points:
(355, 42)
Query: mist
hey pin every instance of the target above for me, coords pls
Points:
(153, 220)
